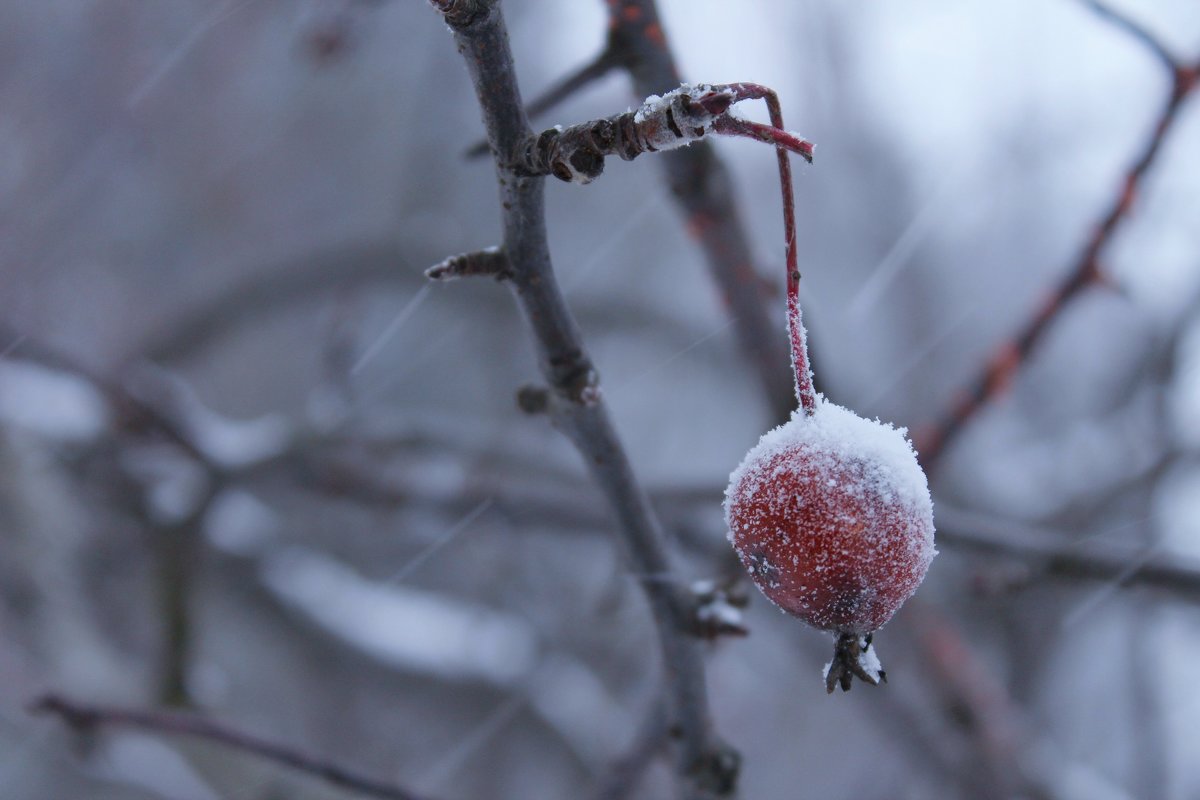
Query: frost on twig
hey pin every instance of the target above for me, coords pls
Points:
(576, 154)
(853, 657)
(718, 609)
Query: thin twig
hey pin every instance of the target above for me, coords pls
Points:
(703, 762)
(589, 73)
(84, 717)
(1134, 29)
(134, 413)
(175, 549)
(980, 705)
(489, 263)
(1054, 554)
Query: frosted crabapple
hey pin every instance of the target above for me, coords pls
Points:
(830, 513)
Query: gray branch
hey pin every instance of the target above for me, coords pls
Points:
(707, 766)
(85, 717)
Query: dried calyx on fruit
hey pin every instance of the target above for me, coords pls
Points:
(830, 513)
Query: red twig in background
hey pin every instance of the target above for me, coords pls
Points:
(84, 717)
(1000, 369)
(973, 697)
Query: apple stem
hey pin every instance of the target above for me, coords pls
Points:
(805, 392)
(783, 141)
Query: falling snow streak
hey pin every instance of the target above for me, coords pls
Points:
(920, 354)
(1109, 589)
(900, 254)
(181, 51)
(393, 327)
(11, 347)
(625, 383)
(433, 547)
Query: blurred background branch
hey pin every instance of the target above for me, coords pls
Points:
(252, 464)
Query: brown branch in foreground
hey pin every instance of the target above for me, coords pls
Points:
(708, 768)
(83, 717)
(998, 374)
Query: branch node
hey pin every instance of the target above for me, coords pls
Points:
(460, 14)
(716, 609)
(533, 399)
(582, 387)
(490, 262)
(716, 772)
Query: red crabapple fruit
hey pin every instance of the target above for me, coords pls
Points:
(830, 513)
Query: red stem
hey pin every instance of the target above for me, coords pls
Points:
(805, 392)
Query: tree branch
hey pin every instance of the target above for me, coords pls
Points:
(1134, 29)
(676, 119)
(85, 717)
(1056, 555)
(571, 507)
(707, 766)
